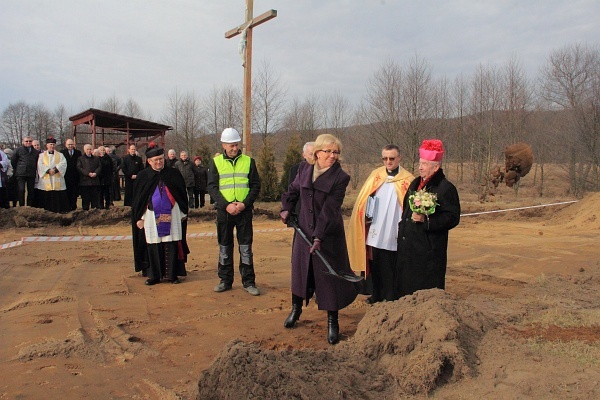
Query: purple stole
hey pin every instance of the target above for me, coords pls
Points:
(162, 203)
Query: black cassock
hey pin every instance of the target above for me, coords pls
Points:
(148, 258)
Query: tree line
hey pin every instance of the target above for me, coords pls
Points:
(477, 115)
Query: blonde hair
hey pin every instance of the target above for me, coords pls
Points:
(325, 140)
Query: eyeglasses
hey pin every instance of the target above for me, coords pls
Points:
(334, 152)
(28, 141)
(384, 159)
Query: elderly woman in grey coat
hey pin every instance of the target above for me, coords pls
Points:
(320, 186)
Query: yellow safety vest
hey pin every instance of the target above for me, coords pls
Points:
(234, 177)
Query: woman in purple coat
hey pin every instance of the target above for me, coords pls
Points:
(320, 186)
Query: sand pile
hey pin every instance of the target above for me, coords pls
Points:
(583, 214)
(409, 346)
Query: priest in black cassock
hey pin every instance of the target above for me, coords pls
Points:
(159, 220)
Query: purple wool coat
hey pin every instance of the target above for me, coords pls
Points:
(320, 216)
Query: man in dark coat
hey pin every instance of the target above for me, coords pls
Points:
(423, 239)
(171, 159)
(89, 168)
(24, 163)
(159, 220)
(321, 187)
(200, 178)
(131, 166)
(116, 184)
(72, 175)
(186, 167)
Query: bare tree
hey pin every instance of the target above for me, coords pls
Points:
(380, 111)
(15, 123)
(416, 108)
(268, 101)
(112, 104)
(41, 125)
(133, 109)
(61, 123)
(222, 109)
(569, 81)
(460, 101)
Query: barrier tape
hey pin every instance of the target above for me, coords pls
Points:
(36, 239)
(31, 239)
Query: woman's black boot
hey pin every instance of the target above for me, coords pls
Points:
(333, 328)
(296, 311)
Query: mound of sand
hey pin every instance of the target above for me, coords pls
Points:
(409, 346)
(584, 213)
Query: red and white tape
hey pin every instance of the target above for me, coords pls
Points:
(37, 239)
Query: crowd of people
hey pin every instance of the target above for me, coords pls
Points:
(55, 180)
(397, 235)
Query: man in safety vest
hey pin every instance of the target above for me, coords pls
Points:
(234, 184)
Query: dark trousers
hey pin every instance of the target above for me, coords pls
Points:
(105, 196)
(382, 269)
(90, 195)
(3, 197)
(72, 194)
(116, 188)
(243, 227)
(190, 193)
(22, 182)
(199, 198)
(128, 192)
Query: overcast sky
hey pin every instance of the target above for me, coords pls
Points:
(81, 52)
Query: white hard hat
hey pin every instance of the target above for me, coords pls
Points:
(230, 135)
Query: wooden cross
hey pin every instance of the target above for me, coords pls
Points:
(246, 28)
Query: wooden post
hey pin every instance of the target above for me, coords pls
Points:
(247, 26)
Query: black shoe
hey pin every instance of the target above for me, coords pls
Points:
(370, 300)
(293, 317)
(175, 281)
(333, 328)
(151, 282)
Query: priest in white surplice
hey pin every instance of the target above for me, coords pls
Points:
(51, 169)
(373, 229)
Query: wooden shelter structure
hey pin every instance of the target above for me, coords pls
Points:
(106, 129)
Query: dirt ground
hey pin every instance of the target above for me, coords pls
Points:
(520, 318)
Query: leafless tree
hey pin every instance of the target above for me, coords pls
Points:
(222, 109)
(569, 81)
(380, 111)
(268, 102)
(41, 125)
(112, 104)
(133, 109)
(61, 123)
(303, 118)
(416, 107)
(460, 101)
(15, 123)
(485, 101)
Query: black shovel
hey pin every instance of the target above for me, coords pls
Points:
(330, 271)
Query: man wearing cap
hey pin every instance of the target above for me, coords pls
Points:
(159, 220)
(24, 163)
(423, 239)
(52, 187)
(373, 228)
(234, 184)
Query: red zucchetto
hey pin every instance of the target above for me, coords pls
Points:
(432, 150)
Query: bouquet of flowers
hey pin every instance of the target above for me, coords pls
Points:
(423, 202)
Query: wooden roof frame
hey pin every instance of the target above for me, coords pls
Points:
(103, 123)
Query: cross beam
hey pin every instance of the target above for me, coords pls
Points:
(247, 26)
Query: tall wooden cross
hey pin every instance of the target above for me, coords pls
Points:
(246, 30)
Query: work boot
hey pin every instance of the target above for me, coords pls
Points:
(333, 328)
(253, 290)
(221, 287)
(296, 311)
